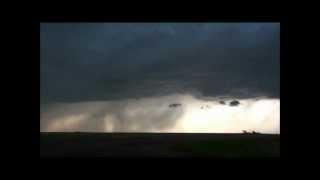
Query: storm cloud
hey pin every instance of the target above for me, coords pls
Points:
(154, 115)
(104, 61)
(123, 77)
(140, 115)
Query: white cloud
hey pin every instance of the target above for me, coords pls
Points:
(154, 115)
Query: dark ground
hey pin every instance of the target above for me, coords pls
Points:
(158, 145)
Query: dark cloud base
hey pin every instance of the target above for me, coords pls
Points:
(92, 62)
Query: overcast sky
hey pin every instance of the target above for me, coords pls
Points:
(122, 77)
(101, 61)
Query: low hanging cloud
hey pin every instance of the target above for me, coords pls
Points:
(123, 77)
(83, 62)
(154, 115)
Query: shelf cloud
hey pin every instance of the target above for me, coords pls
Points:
(123, 76)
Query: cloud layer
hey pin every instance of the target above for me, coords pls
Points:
(154, 115)
(122, 77)
(111, 61)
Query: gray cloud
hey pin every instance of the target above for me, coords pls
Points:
(112, 61)
(141, 115)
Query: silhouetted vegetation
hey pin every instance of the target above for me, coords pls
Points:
(253, 132)
(247, 132)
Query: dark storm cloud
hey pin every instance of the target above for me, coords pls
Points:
(94, 61)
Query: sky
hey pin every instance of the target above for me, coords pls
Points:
(119, 77)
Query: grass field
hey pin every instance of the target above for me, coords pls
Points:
(158, 145)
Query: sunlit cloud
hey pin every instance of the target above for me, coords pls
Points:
(154, 114)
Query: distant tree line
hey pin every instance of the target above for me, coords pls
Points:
(252, 132)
